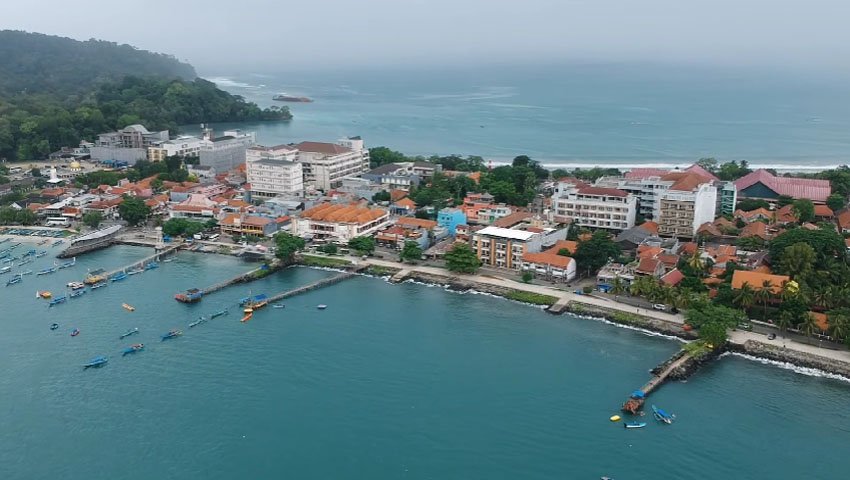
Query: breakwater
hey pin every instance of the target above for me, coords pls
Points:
(630, 319)
(777, 353)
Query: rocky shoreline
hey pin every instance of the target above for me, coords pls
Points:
(631, 320)
(779, 354)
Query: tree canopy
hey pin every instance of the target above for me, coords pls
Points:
(362, 245)
(286, 245)
(593, 254)
(461, 259)
(182, 227)
(411, 252)
(133, 210)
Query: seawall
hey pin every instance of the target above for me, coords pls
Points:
(630, 319)
(777, 353)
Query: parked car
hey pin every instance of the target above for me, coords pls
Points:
(659, 306)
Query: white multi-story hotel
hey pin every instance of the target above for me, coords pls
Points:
(183, 146)
(226, 152)
(326, 164)
(504, 247)
(274, 171)
(687, 204)
(595, 207)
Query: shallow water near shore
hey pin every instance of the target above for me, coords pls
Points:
(391, 381)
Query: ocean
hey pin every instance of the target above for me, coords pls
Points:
(390, 381)
(567, 115)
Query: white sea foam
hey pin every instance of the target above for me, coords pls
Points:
(644, 331)
(225, 82)
(812, 372)
(811, 165)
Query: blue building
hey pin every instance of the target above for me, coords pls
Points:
(450, 218)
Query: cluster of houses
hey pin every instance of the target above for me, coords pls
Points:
(324, 191)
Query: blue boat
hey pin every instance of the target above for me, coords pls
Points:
(138, 347)
(57, 242)
(118, 277)
(46, 271)
(151, 266)
(15, 279)
(172, 334)
(129, 332)
(41, 254)
(219, 313)
(96, 362)
(255, 299)
(662, 416)
(77, 293)
(69, 264)
(57, 301)
(634, 424)
(29, 253)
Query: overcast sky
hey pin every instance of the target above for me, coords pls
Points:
(218, 36)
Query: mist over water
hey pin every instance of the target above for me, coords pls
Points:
(567, 116)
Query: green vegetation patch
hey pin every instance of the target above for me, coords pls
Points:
(532, 298)
(312, 261)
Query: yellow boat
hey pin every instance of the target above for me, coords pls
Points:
(615, 418)
(45, 294)
(128, 307)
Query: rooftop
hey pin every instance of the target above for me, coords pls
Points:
(321, 147)
(341, 213)
(817, 190)
(756, 280)
(544, 258)
(506, 233)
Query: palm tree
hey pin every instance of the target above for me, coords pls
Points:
(764, 295)
(788, 292)
(745, 296)
(696, 262)
(809, 325)
(822, 299)
(786, 320)
(839, 327)
(618, 286)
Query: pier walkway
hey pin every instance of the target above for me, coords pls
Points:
(635, 402)
(241, 278)
(312, 286)
(155, 256)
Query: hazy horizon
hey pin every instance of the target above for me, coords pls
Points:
(263, 35)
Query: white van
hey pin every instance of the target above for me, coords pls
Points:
(58, 222)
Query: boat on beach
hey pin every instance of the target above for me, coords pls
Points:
(96, 362)
(172, 334)
(126, 334)
(136, 347)
(662, 416)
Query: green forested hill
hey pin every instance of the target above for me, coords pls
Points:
(57, 91)
(37, 63)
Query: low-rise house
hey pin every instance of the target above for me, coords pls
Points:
(651, 267)
(759, 214)
(246, 225)
(842, 218)
(755, 229)
(823, 213)
(195, 207)
(550, 266)
(405, 206)
(756, 280)
(108, 207)
(672, 278)
(569, 245)
(450, 218)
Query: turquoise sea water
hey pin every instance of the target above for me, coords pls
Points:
(618, 115)
(391, 381)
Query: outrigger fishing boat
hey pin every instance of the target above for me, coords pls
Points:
(26, 272)
(118, 277)
(6, 269)
(47, 271)
(57, 242)
(136, 347)
(41, 254)
(219, 313)
(151, 265)
(663, 416)
(57, 301)
(77, 293)
(98, 285)
(172, 334)
(68, 264)
(126, 334)
(54, 326)
(198, 322)
(15, 279)
(44, 294)
(136, 270)
(96, 362)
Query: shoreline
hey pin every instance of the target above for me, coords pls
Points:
(811, 360)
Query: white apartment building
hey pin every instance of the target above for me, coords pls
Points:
(226, 152)
(273, 171)
(504, 247)
(326, 164)
(689, 203)
(183, 146)
(595, 207)
(647, 190)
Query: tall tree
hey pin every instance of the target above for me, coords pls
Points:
(804, 210)
(461, 259)
(411, 252)
(745, 296)
(133, 210)
(286, 245)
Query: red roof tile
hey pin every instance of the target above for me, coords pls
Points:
(817, 190)
(673, 277)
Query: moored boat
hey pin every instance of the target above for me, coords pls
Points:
(44, 294)
(151, 265)
(634, 424)
(98, 285)
(95, 276)
(96, 362)
(68, 264)
(15, 279)
(54, 326)
(248, 315)
(197, 322)
(128, 333)
(77, 293)
(76, 285)
(278, 305)
(219, 313)
(118, 277)
(663, 416)
(6, 269)
(321, 307)
(136, 270)
(128, 307)
(46, 271)
(192, 295)
(75, 332)
(57, 301)
(26, 272)
(136, 347)
(172, 334)
(41, 254)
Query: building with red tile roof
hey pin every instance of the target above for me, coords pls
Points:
(569, 245)
(236, 224)
(822, 212)
(549, 266)
(672, 278)
(650, 267)
(756, 279)
(755, 229)
(340, 222)
(765, 185)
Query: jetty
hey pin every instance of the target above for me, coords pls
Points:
(312, 286)
(156, 256)
(197, 294)
(638, 397)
